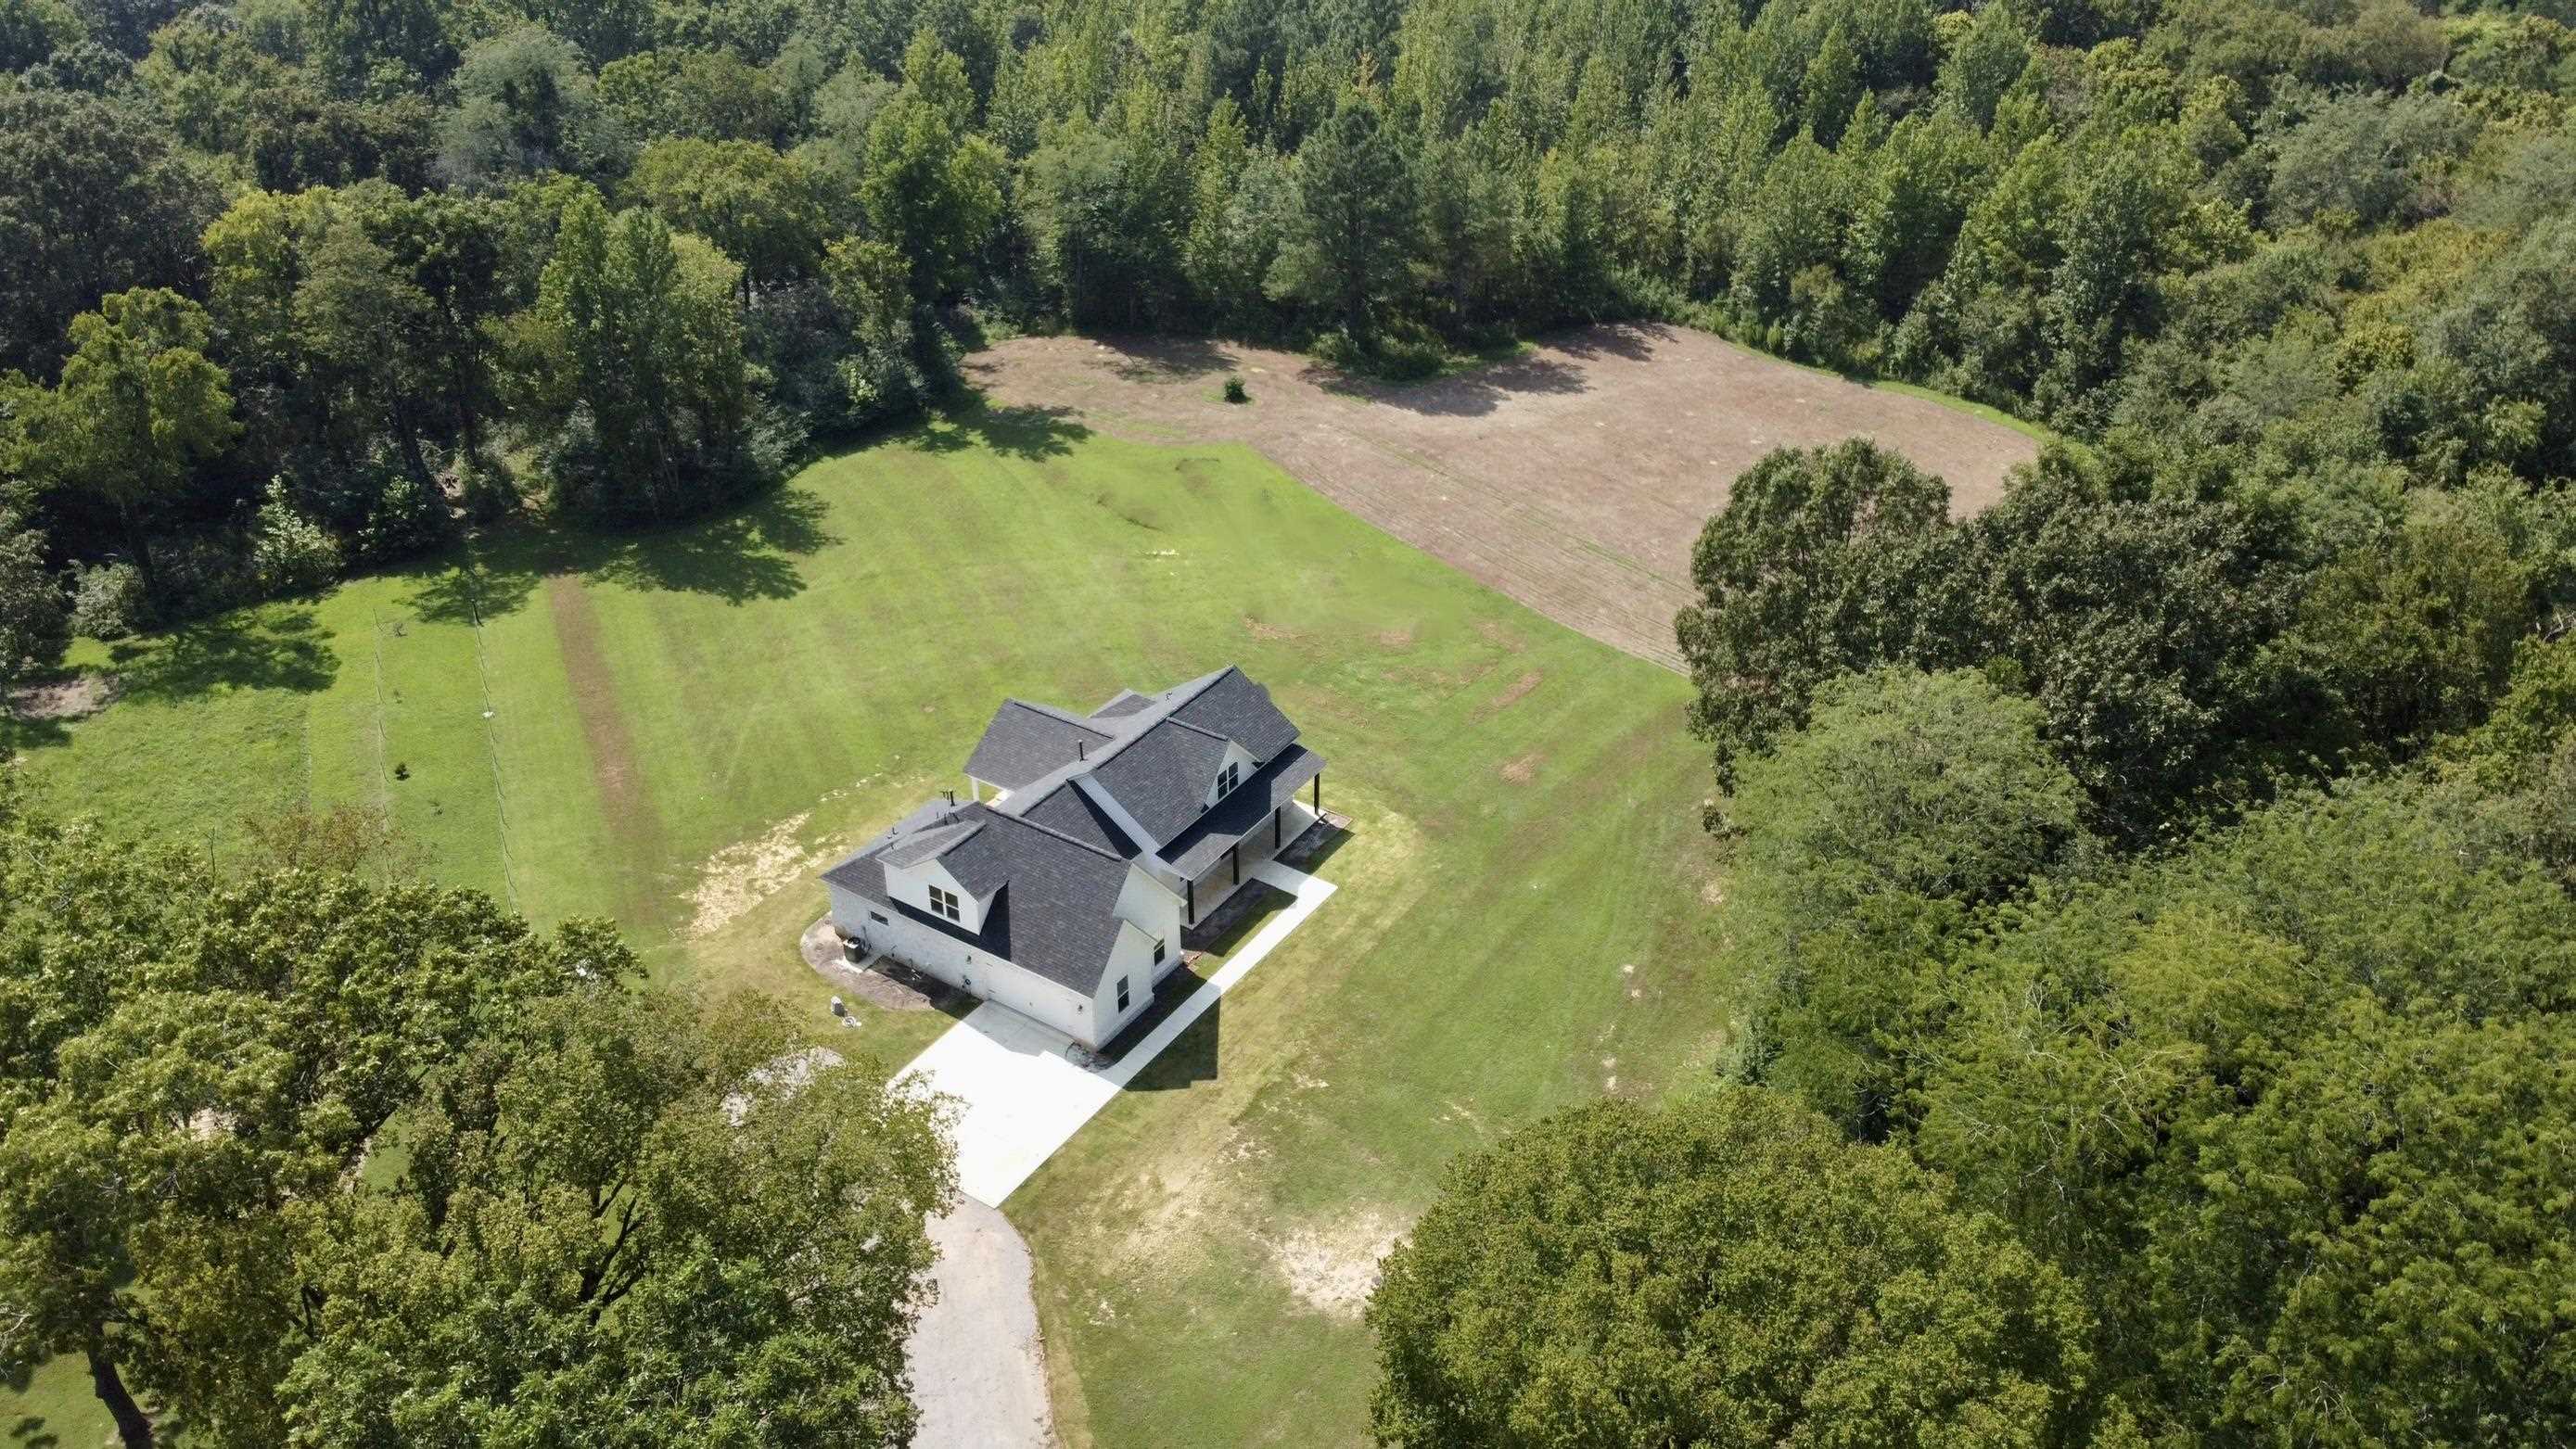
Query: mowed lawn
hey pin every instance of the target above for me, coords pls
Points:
(677, 729)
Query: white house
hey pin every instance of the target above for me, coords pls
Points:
(1064, 895)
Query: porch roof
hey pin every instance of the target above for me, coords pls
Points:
(1207, 838)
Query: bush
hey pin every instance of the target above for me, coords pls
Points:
(408, 520)
(108, 601)
(291, 553)
(1234, 392)
(34, 624)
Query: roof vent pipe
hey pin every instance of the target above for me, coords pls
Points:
(1081, 748)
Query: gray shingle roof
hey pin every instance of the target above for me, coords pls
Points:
(1233, 706)
(1066, 810)
(1162, 776)
(1049, 860)
(1053, 911)
(1027, 742)
(1244, 811)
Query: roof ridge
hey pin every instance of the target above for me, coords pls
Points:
(1163, 709)
(1045, 829)
(1061, 716)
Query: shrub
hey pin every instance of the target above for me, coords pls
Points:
(1234, 392)
(108, 601)
(291, 553)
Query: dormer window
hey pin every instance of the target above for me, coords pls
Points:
(944, 903)
(1228, 778)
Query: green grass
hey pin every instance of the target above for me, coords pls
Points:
(683, 726)
(57, 1409)
(2036, 432)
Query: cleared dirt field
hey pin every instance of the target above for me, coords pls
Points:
(1574, 478)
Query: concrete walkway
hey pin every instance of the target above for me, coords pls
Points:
(1022, 1095)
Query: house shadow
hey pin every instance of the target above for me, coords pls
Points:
(1192, 1056)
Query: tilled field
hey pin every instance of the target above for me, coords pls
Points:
(1574, 478)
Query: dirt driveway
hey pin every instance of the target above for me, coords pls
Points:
(1574, 479)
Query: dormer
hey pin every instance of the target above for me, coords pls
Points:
(929, 887)
(1236, 767)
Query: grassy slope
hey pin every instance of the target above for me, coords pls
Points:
(721, 706)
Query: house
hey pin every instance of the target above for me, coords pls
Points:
(1064, 894)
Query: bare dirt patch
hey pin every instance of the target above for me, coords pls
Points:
(742, 875)
(1574, 478)
(1519, 691)
(614, 772)
(58, 700)
(1268, 633)
(1524, 769)
(1333, 1270)
(1395, 638)
(821, 947)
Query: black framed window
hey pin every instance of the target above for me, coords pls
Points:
(944, 903)
(1122, 993)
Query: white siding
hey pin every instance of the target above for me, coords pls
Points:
(1237, 756)
(937, 954)
(911, 885)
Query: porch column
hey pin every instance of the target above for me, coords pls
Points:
(1234, 859)
(1274, 828)
(1319, 794)
(1191, 887)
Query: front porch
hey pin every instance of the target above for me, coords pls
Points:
(1224, 903)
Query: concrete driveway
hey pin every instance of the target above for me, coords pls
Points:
(1020, 1092)
(978, 1365)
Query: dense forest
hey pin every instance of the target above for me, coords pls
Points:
(299, 286)
(2156, 895)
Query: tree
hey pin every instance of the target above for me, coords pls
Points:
(1867, 838)
(526, 104)
(757, 206)
(2301, 1136)
(1928, 784)
(2142, 623)
(92, 200)
(634, 352)
(35, 622)
(2416, 635)
(1722, 1270)
(623, 1225)
(1351, 235)
(186, 1058)
(1810, 571)
(868, 283)
(928, 188)
(138, 407)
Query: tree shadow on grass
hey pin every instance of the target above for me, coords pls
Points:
(30, 1430)
(1026, 433)
(744, 553)
(266, 646)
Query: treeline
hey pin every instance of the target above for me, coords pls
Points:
(306, 1152)
(2255, 1131)
(390, 266)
